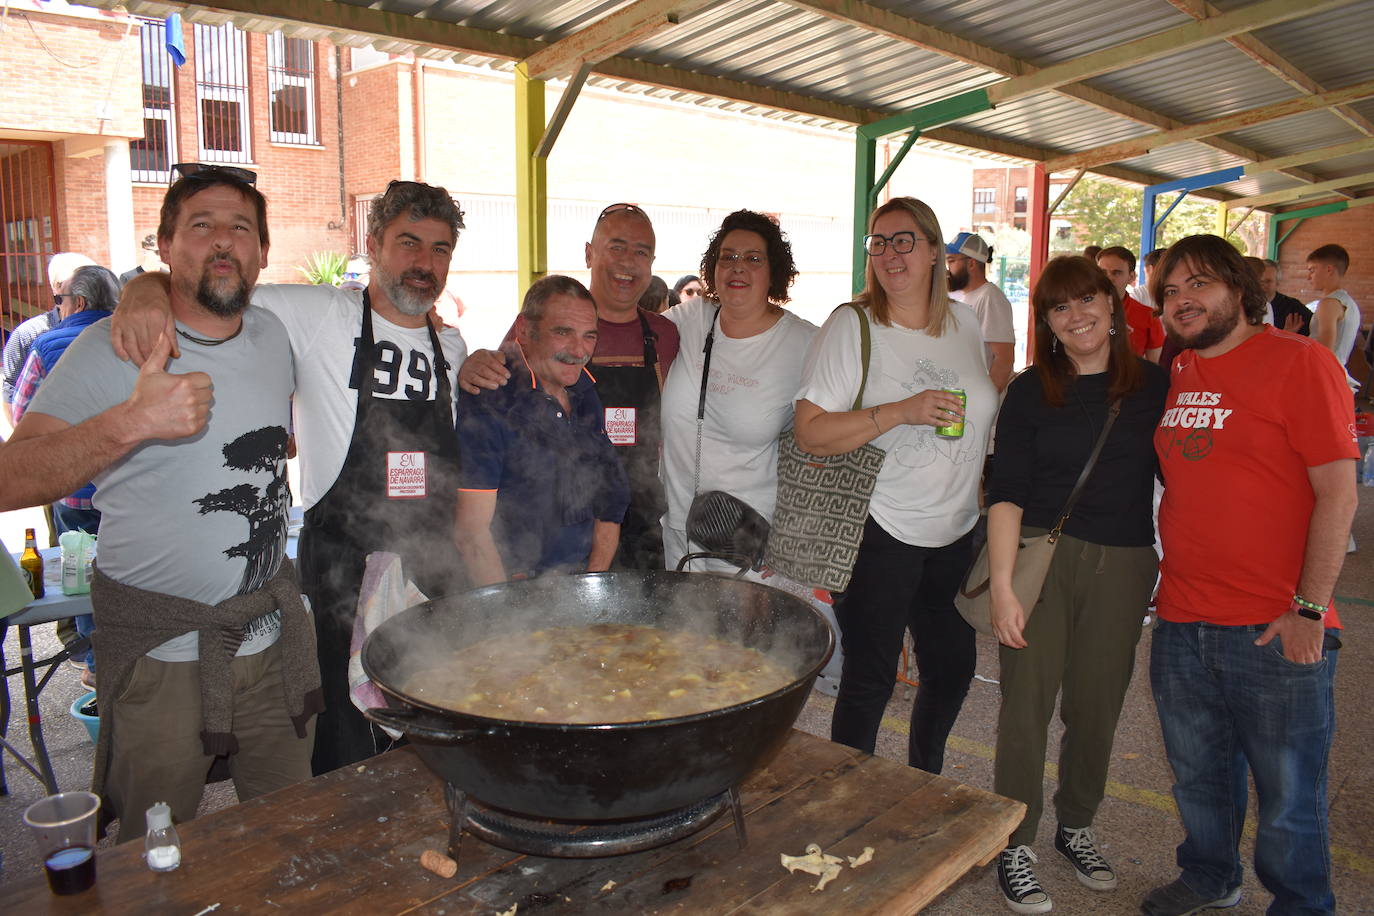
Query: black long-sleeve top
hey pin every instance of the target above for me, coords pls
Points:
(1041, 451)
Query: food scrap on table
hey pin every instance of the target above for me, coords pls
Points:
(815, 862)
(511, 911)
(608, 887)
(862, 858)
(826, 867)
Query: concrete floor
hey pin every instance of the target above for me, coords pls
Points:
(1136, 827)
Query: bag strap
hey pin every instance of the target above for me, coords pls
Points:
(1112, 412)
(701, 399)
(865, 351)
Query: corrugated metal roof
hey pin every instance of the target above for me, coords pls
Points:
(792, 47)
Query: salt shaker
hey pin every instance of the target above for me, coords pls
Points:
(162, 846)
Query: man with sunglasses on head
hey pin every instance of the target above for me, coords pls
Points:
(374, 412)
(206, 653)
(634, 351)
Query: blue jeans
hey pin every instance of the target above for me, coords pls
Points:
(1225, 703)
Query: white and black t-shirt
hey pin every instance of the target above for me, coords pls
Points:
(324, 326)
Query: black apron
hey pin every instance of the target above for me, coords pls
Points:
(381, 500)
(641, 533)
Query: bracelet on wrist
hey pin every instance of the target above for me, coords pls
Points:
(873, 415)
(1309, 609)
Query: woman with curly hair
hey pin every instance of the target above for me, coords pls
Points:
(756, 350)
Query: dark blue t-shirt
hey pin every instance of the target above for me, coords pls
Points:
(554, 471)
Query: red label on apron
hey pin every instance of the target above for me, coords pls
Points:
(620, 425)
(405, 475)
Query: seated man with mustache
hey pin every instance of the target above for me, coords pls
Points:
(542, 489)
(374, 422)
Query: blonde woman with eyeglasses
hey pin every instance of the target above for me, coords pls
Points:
(917, 542)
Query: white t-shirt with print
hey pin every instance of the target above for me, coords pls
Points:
(749, 401)
(201, 517)
(927, 490)
(324, 325)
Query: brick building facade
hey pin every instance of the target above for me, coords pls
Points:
(96, 111)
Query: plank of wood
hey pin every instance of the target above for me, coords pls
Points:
(350, 842)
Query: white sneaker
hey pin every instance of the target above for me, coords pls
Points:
(1015, 876)
(1076, 844)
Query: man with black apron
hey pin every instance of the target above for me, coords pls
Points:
(635, 349)
(395, 492)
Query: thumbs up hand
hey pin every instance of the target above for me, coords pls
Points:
(167, 405)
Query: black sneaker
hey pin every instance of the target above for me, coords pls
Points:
(1178, 899)
(1017, 880)
(1076, 845)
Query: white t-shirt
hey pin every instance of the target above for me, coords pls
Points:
(927, 490)
(993, 312)
(1347, 328)
(324, 325)
(749, 402)
(1141, 293)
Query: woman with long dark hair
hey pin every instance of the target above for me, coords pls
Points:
(917, 541)
(1080, 642)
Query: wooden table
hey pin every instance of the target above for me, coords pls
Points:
(350, 842)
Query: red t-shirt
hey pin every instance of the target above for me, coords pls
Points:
(1238, 434)
(1146, 331)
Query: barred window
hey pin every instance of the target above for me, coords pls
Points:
(291, 89)
(984, 200)
(222, 94)
(152, 157)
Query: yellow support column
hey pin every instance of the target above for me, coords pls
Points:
(1223, 217)
(531, 180)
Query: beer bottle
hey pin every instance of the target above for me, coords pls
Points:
(31, 562)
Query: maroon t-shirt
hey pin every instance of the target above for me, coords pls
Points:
(621, 343)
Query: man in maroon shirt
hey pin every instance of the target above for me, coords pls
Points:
(634, 350)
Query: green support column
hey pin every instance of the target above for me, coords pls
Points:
(865, 165)
(866, 187)
(1289, 215)
(531, 180)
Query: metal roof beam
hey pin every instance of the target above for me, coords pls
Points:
(609, 36)
(889, 24)
(1126, 149)
(360, 20)
(1280, 163)
(1322, 189)
(1275, 63)
(1161, 44)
